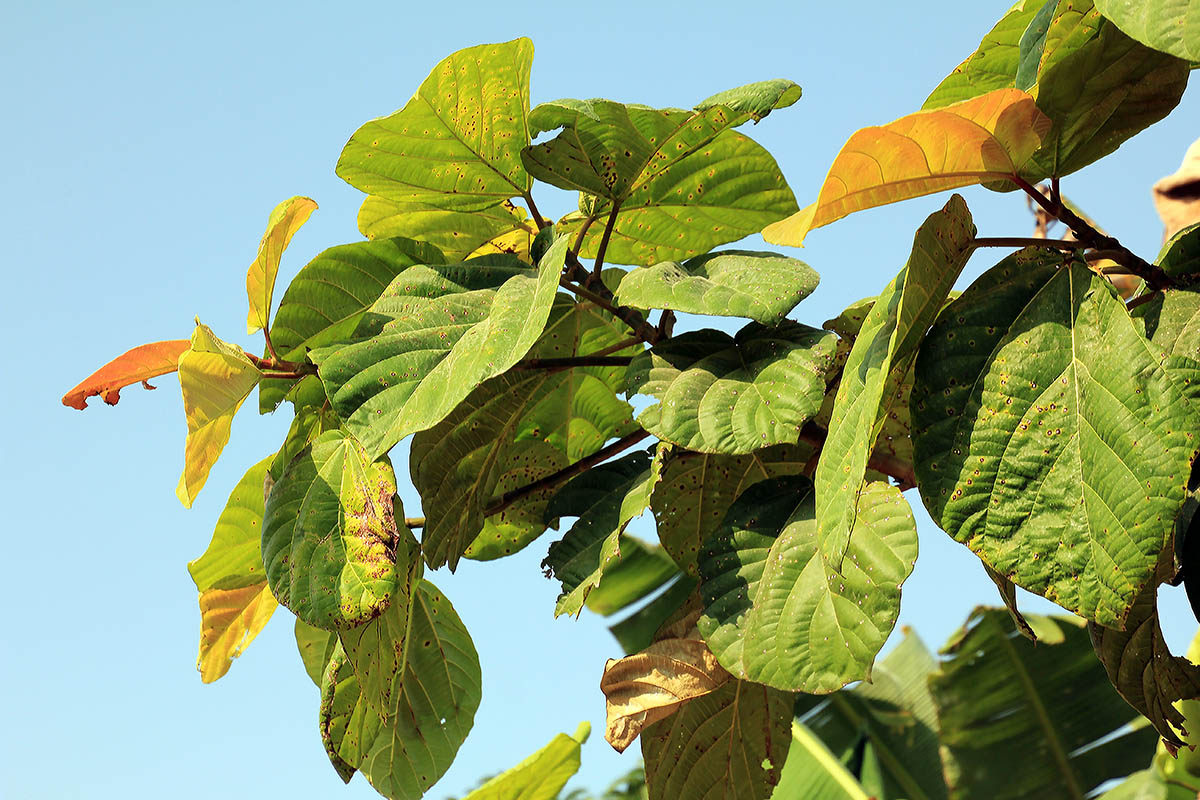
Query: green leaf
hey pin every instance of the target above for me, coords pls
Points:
(329, 534)
(414, 708)
(1033, 391)
(726, 190)
(1029, 721)
(340, 699)
(433, 336)
(1033, 45)
(215, 378)
(733, 394)
(1180, 255)
(1172, 26)
(697, 489)
(458, 234)
(282, 225)
(639, 570)
(457, 144)
(885, 346)
(636, 631)
(316, 647)
(813, 772)
(307, 425)
(235, 603)
(326, 300)
(733, 283)
(542, 775)
(605, 499)
(777, 613)
(731, 742)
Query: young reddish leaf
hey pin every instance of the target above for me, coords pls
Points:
(139, 364)
(282, 225)
(979, 140)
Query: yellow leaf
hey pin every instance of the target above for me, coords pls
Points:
(215, 378)
(648, 686)
(229, 620)
(515, 241)
(282, 225)
(983, 139)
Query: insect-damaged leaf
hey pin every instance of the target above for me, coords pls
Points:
(215, 378)
(139, 364)
(732, 283)
(733, 394)
(434, 335)
(282, 225)
(235, 602)
(457, 144)
(1032, 391)
(332, 550)
(542, 775)
(776, 612)
(979, 140)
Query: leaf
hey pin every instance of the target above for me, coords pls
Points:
(605, 499)
(733, 283)
(414, 712)
(811, 771)
(215, 378)
(725, 191)
(1177, 196)
(982, 139)
(542, 775)
(325, 302)
(1023, 416)
(728, 743)
(639, 570)
(329, 537)
(733, 395)
(697, 489)
(636, 631)
(340, 700)
(458, 234)
(434, 335)
(139, 364)
(457, 144)
(316, 648)
(307, 426)
(1141, 667)
(646, 687)
(776, 612)
(885, 345)
(1024, 720)
(1008, 594)
(1172, 26)
(235, 603)
(1180, 255)
(282, 225)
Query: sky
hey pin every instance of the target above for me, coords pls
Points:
(148, 143)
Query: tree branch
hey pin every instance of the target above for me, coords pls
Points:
(598, 264)
(601, 296)
(1022, 241)
(414, 522)
(538, 219)
(575, 361)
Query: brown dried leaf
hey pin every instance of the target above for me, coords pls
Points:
(1177, 196)
(139, 364)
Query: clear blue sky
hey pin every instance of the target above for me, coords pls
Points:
(145, 145)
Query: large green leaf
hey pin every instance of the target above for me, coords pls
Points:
(994, 63)
(729, 743)
(417, 688)
(458, 234)
(326, 300)
(1172, 26)
(433, 336)
(542, 775)
(457, 144)
(732, 283)
(727, 394)
(510, 431)
(726, 190)
(1048, 438)
(812, 772)
(777, 613)
(235, 602)
(329, 537)
(1024, 720)
(698, 488)
(886, 344)
(638, 570)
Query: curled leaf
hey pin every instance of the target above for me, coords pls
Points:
(139, 364)
(282, 225)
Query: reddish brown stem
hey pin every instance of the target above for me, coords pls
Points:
(903, 473)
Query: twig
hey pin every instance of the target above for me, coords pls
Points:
(538, 219)
(270, 345)
(576, 361)
(1023, 241)
(598, 264)
(583, 229)
(815, 435)
(602, 297)
(414, 522)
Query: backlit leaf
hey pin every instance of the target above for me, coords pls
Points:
(282, 225)
(733, 283)
(457, 144)
(215, 378)
(329, 534)
(1180, 255)
(814, 773)
(235, 602)
(982, 139)
(733, 394)
(542, 775)
(639, 570)
(884, 349)
(458, 234)
(139, 364)
(1032, 391)
(1172, 26)
(776, 612)
(316, 646)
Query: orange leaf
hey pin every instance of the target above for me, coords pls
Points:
(139, 364)
(979, 140)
